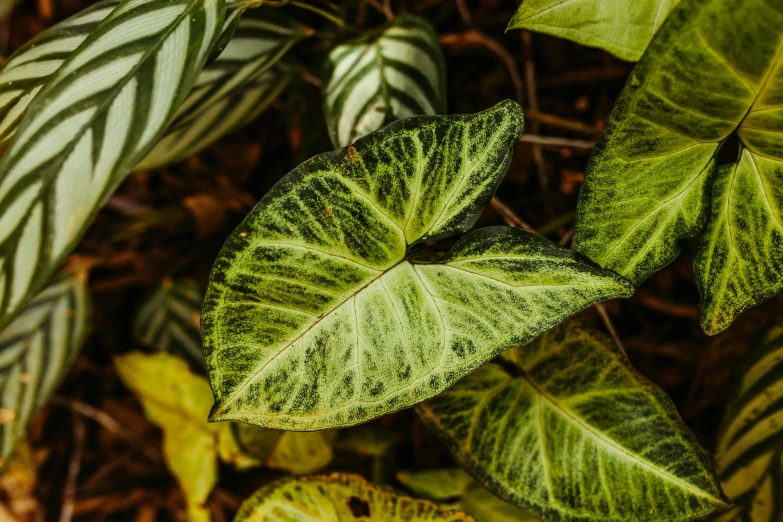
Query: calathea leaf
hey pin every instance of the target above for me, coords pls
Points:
(95, 118)
(170, 320)
(336, 498)
(621, 27)
(749, 455)
(24, 73)
(37, 350)
(235, 88)
(649, 180)
(397, 73)
(316, 317)
(567, 430)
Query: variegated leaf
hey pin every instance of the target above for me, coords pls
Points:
(237, 87)
(317, 316)
(36, 351)
(398, 73)
(170, 320)
(339, 497)
(565, 429)
(749, 455)
(95, 118)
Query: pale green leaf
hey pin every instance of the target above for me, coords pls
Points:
(648, 184)
(170, 320)
(391, 75)
(94, 119)
(316, 317)
(567, 430)
(749, 454)
(455, 489)
(302, 453)
(621, 27)
(339, 498)
(37, 350)
(237, 87)
(368, 440)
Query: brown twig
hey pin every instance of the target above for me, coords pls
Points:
(69, 491)
(563, 143)
(509, 216)
(610, 326)
(666, 306)
(551, 120)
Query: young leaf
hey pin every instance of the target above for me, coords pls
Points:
(567, 430)
(649, 180)
(170, 320)
(23, 74)
(336, 498)
(36, 351)
(398, 73)
(621, 27)
(314, 318)
(749, 455)
(95, 118)
(237, 87)
(455, 489)
(302, 453)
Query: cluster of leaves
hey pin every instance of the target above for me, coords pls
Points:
(351, 291)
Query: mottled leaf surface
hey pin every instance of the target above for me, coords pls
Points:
(712, 70)
(339, 498)
(567, 430)
(749, 456)
(315, 317)
(36, 351)
(621, 27)
(94, 119)
(397, 73)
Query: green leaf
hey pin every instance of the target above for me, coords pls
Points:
(237, 87)
(749, 454)
(95, 118)
(649, 181)
(565, 429)
(388, 76)
(337, 498)
(455, 489)
(302, 453)
(36, 351)
(621, 27)
(170, 320)
(316, 318)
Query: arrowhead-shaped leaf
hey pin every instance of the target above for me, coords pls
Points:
(749, 455)
(621, 27)
(398, 73)
(95, 118)
(337, 498)
(567, 430)
(36, 351)
(316, 318)
(648, 185)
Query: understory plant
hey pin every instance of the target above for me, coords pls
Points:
(357, 285)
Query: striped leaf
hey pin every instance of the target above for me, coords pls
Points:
(749, 455)
(395, 74)
(23, 74)
(36, 351)
(170, 320)
(95, 118)
(235, 88)
(339, 497)
(317, 316)
(565, 429)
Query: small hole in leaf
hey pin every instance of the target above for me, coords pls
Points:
(729, 151)
(359, 508)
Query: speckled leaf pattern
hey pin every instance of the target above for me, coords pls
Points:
(339, 498)
(567, 430)
(621, 27)
(749, 455)
(397, 73)
(232, 91)
(314, 316)
(170, 320)
(95, 118)
(36, 351)
(714, 68)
